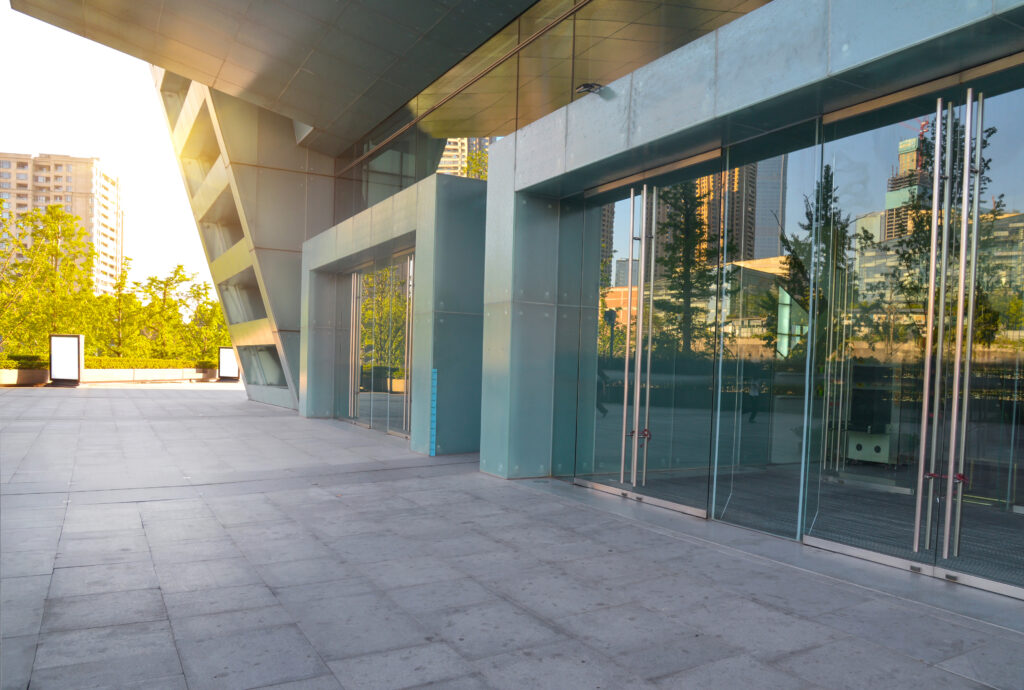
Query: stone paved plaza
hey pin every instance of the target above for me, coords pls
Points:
(166, 537)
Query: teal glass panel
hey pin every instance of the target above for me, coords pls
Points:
(768, 200)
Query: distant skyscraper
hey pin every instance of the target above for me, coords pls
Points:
(622, 272)
(734, 194)
(770, 207)
(83, 189)
(607, 239)
(902, 188)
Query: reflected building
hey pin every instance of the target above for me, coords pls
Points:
(770, 207)
(905, 188)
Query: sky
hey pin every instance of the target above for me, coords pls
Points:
(76, 97)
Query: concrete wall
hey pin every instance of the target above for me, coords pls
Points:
(442, 219)
(787, 62)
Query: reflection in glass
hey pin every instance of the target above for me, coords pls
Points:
(383, 308)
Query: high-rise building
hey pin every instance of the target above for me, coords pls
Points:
(902, 189)
(607, 240)
(770, 207)
(83, 189)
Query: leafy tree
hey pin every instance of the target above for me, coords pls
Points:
(476, 165)
(46, 262)
(689, 259)
(382, 314)
(117, 330)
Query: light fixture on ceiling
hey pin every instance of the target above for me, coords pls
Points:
(589, 87)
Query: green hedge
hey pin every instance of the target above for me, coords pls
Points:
(43, 362)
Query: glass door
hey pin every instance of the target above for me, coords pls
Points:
(969, 496)
(917, 364)
(649, 370)
(382, 329)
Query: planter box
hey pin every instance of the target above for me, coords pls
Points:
(35, 377)
(23, 377)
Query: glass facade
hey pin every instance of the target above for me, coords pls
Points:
(538, 63)
(382, 334)
(819, 334)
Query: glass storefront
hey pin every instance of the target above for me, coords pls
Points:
(382, 339)
(821, 335)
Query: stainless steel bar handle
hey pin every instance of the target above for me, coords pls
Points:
(929, 327)
(355, 354)
(941, 339)
(972, 287)
(638, 350)
(625, 359)
(961, 286)
(650, 328)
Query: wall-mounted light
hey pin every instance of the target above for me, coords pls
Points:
(589, 87)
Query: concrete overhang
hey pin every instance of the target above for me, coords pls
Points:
(339, 66)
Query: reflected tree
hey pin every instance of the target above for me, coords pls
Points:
(690, 259)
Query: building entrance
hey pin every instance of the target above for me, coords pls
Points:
(922, 419)
(381, 333)
(820, 334)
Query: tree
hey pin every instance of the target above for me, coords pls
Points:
(118, 327)
(690, 261)
(382, 315)
(46, 263)
(476, 165)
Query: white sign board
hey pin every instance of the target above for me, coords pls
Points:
(227, 366)
(66, 357)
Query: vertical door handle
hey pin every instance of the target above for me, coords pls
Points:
(958, 354)
(972, 283)
(625, 359)
(929, 325)
(639, 333)
(650, 327)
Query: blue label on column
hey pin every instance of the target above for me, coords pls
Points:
(433, 412)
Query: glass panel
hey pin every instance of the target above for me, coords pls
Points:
(770, 209)
(399, 310)
(603, 351)
(365, 340)
(875, 208)
(545, 74)
(990, 539)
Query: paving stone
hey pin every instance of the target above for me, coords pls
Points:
(341, 627)
(217, 600)
(919, 635)
(218, 624)
(24, 563)
(405, 572)
(305, 571)
(249, 659)
(400, 668)
(734, 672)
(96, 579)
(211, 574)
(97, 610)
(999, 663)
(438, 596)
(575, 666)
(488, 628)
(16, 657)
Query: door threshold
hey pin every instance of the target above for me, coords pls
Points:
(917, 568)
(641, 498)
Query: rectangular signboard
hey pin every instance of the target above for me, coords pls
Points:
(227, 366)
(66, 357)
